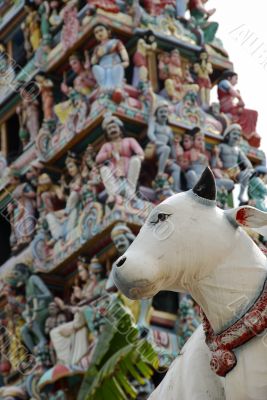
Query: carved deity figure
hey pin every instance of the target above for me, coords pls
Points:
(71, 27)
(32, 32)
(50, 197)
(38, 297)
(203, 70)
(55, 317)
(46, 88)
(161, 135)
(200, 17)
(109, 60)
(177, 81)
(44, 13)
(232, 103)
(21, 212)
(123, 157)
(62, 222)
(257, 189)
(197, 158)
(83, 85)
(70, 340)
(140, 60)
(28, 114)
(7, 74)
(234, 163)
(90, 175)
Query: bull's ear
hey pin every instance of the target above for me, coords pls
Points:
(247, 216)
(206, 187)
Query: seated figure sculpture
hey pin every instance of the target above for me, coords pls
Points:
(161, 135)
(119, 160)
(232, 103)
(234, 163)
(83, 85)
(109, 60)
(200, 17)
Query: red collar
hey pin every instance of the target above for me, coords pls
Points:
(221, 345)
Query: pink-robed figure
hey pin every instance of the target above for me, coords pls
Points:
(120, 158)
(232, 103)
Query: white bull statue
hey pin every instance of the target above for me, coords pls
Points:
(189, 245)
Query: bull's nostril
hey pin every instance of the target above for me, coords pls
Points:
(121, 262)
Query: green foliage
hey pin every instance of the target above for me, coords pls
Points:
(119, 358)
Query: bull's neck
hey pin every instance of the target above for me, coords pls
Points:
(233, 284)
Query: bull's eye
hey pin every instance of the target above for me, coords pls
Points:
(161, 217)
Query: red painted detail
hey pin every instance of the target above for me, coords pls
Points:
(221, 345)
(241, 216)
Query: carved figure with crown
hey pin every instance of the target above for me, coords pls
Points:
(119, 160)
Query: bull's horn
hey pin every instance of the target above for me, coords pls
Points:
(206, 187)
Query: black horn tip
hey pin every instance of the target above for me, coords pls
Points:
(206, 186)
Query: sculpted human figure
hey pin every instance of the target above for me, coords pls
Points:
(21, 211)
(203, 70)
(55, 317)
(31, 31)
(50, 197)
(161, 135)
(200, 17)
(46, 88)
(44, 13)
(123, 157)
(7, 74)
(83, 85)
(70, 340)
(63, 221)
(28, 114)
(232, 103)
(38, 296)
(109, 60)
(234, 162)
(140, 60)
(257, 189)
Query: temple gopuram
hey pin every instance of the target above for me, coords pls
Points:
(105, 111)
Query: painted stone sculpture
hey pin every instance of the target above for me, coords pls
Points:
(21, 212)
(71, 27)
(28, 114)
(177, 79)
(200, 17)
(234, 162)
(83, 85)
(62, 222)
(38, 297)
(109, 60)
(214, 282)
(203, 70)
(257, 190)
(160, 134)
(123, 157)
(246, 118)
(140, 60)
(71, 340)
(7, 74)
